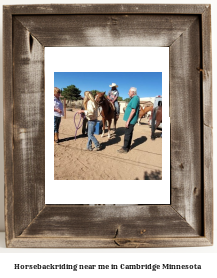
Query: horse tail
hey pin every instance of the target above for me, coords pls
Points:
(154, 111)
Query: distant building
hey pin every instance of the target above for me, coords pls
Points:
(123, 105)
(147, 101)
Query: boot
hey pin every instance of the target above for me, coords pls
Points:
(56, 137)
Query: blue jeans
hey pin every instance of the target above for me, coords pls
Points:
(57, 121)
(116, 107)
(91, 137)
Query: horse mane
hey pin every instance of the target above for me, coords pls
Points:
(111, 106)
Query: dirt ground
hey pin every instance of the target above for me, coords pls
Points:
(71, 162)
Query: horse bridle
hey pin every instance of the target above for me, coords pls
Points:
(101, 102)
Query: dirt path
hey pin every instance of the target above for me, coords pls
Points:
(71, 162)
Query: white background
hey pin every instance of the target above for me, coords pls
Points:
(204, 255)
(67, 59)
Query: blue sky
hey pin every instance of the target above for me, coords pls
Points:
(148, 84)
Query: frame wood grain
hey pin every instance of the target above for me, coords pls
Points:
(186, 30)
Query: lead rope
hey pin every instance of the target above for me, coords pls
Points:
(78, 126)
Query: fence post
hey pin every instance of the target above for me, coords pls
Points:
(64, 108)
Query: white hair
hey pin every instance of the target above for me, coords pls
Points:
(134, 90)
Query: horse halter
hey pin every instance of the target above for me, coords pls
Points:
(99, 102)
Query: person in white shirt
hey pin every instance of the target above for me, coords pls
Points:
(58, 113)
(91, 113)
(113, 95)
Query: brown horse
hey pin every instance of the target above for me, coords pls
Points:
(156, 119)
(108, 111)
(143, 111)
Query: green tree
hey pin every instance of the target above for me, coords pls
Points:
(94, 92)
(120, 99)
(127, 99)
(71, 93)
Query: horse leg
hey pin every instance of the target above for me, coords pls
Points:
(109, 125)
(157, 124)
(139, 120)
(153, 124)
(103, 127)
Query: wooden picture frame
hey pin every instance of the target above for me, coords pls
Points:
(186, 30)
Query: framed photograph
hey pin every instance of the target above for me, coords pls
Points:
(186, 217)
(147, 160)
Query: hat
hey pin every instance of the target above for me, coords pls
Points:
(113, 85)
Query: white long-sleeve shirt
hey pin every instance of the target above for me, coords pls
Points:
(58, 104)
(92, 110)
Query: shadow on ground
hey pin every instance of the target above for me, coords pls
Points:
(115, 137)
(157, 134)
(119, 131)
(138, 141)
(153, 175)
(71, 138)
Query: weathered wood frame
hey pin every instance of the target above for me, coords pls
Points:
(186, 29)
